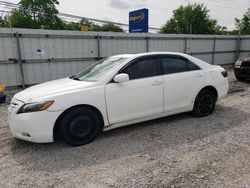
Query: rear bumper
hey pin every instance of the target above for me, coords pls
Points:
(242, 72)
(222, 89)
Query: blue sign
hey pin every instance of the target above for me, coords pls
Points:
(138, 21)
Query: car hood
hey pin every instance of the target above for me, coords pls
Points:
(52, 88)
(245, 58)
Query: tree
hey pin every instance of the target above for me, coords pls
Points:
(71, 26)
(243, 25)
(92, 26)
(111, 27)
(4, 22)
(95, 27)
(191, 19)
(221, 30)
(37, 14)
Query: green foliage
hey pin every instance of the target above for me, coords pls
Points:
(92, 26)
(191, 19)
(20, 21)
(71, 26)
(243, 25)
(4, 22)
(37, 14)
(111, 27)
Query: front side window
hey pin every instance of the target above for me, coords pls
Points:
(100, 70)
(142, 69)
(176, 65)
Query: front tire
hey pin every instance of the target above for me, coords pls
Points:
(204, 103)
(80, 126)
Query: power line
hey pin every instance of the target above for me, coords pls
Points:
(5, 11)
(3, 6)
(6, 2)
(152, 6)
(233, 3)
(219, 5)
(9, 4)
(65, 15)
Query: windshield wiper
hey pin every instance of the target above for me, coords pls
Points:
(74, 77)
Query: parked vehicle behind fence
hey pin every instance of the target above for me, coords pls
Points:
(242, 68)
(2, 94)
(117, 91)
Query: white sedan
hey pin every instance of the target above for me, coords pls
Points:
(117, 91)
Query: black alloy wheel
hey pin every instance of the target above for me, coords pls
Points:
(204, 103)
(80, 126)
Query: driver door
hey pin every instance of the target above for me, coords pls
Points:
(140, 97)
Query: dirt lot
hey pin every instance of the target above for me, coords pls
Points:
(176, 151)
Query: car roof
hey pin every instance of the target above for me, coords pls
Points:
(202, 64)
(148, 53)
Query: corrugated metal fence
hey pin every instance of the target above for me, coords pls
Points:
(34, 56)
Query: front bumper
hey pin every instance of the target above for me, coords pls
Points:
(34, 127)
(242, 72)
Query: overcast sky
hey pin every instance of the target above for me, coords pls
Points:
(159, 10)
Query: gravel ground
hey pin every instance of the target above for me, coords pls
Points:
(176, 151)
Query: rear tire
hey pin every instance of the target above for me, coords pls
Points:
(80, 126)
(204, 103)
(239, 78)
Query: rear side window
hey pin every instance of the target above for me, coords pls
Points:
(192, 66)
(175, 65)
(142, 69)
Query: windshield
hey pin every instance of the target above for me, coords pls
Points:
(100, 70)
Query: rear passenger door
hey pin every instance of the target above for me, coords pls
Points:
(182, 80)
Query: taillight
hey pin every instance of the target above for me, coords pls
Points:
(224, 73)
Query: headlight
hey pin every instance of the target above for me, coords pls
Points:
(35, 107)
(238, 63)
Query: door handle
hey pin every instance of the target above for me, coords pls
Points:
(198, 75)
(156, 83)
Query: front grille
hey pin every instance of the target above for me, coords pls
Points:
(245, 64)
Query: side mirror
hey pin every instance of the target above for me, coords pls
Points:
(121, 78)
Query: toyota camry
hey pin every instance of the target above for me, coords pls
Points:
(116, 91)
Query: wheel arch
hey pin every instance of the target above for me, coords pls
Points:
(56, 135)
(212, 89)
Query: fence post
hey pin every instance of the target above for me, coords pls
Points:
(19, 59)
(238, 48)
(147, 43)
(185, 45)
(214, 46)
(98, 47)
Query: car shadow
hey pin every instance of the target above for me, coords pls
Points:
(138, 139)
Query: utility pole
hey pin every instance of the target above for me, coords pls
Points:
(190, 28)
